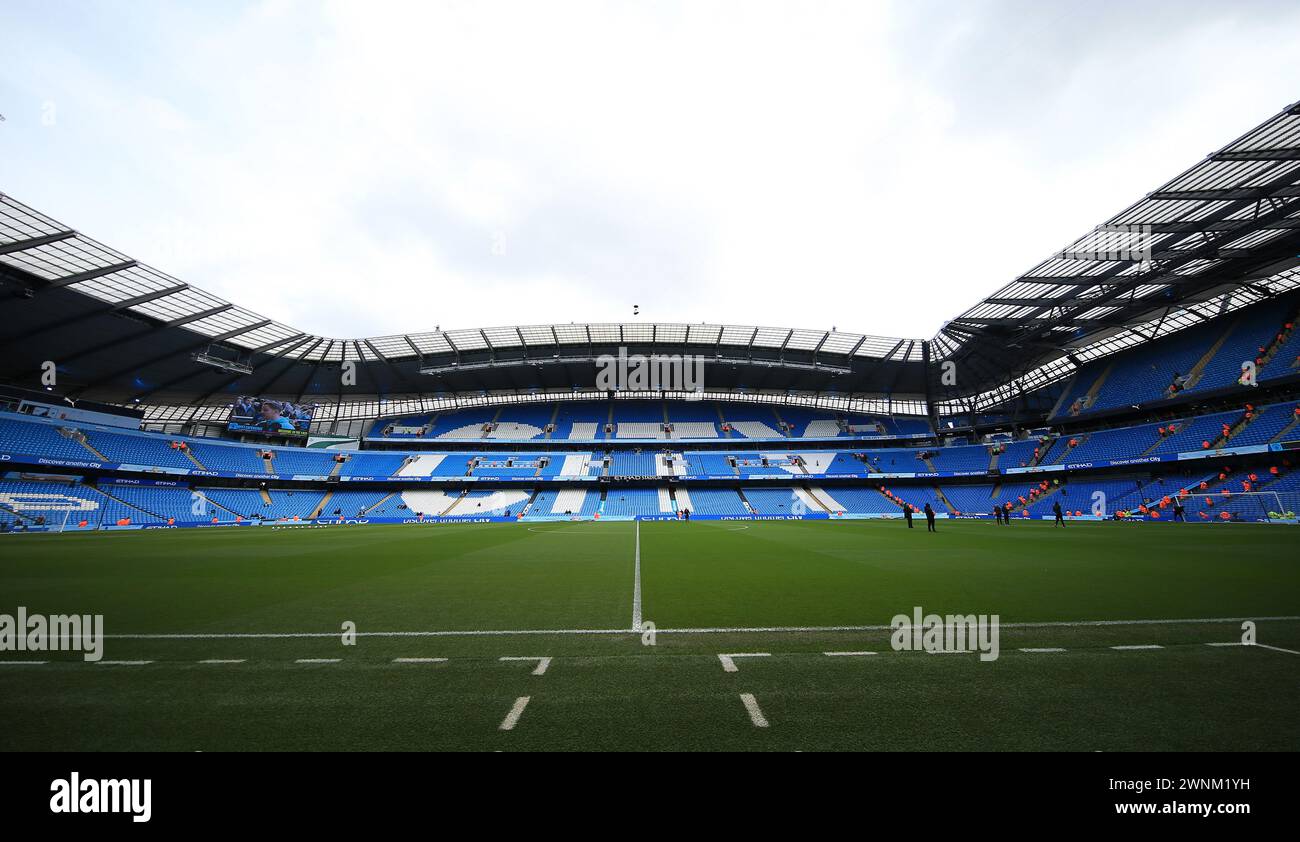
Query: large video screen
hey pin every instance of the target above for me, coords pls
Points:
(270, 417)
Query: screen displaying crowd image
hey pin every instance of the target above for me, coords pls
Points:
(270, 417)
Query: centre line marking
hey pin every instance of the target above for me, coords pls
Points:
(318, 660)
(419, 660)
(512, 718)
(124, 663)
(22, 663)
(755, 712)
(847, 654)
(1044, 649)
(636, 583)
(1139, 646)
(224, 661)
(729, 665)
(542, 662)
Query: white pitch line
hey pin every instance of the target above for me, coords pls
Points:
(1276, 648)
(636, 583)
(755, 712)
(419, 660)
(123, 663)
(224, 661)
(542, 662)
(22, 663)
(728, 665)
(1044, 649)
(1138, 646)
(847, 654)
(318, 660)
(512, 718)
(703, 630)
(1229, 643)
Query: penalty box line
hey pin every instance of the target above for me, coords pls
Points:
(701, 630)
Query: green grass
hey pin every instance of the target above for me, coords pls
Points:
(609, 691)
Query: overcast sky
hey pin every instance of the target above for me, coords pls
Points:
(363, 168)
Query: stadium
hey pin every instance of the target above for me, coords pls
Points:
(516, 537)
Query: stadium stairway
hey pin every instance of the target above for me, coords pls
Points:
(1287, 430)
(554, 425)
(1277, 343)
(780, 424)
(722, 421)
(1238, 427)
(214, 504)
(1044, 448)
(681, 499)
(1090, 396)
(379, 503)
(825, 500)
(1051, 489)
(1146, 451)
(464, 492)
(268, 465)
(80, 438)
(889, 499)
(320, 507)
(1078, 440)
(810, 500)
(266, 496)
(1194, 376)
(189, 454)
(938, 492)
(129, 505)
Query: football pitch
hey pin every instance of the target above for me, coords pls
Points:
(766, 636)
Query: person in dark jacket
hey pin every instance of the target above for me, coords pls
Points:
(907, 514)
(929, 519)
(1056, 510)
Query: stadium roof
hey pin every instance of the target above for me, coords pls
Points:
(1222, 235)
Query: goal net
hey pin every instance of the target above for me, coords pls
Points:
(1241, 507)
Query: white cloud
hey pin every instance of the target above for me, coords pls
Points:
(358, 168)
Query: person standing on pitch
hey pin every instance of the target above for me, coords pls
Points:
(1056, 510)
(929, 519)
(907, 514)
(1179, 512)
